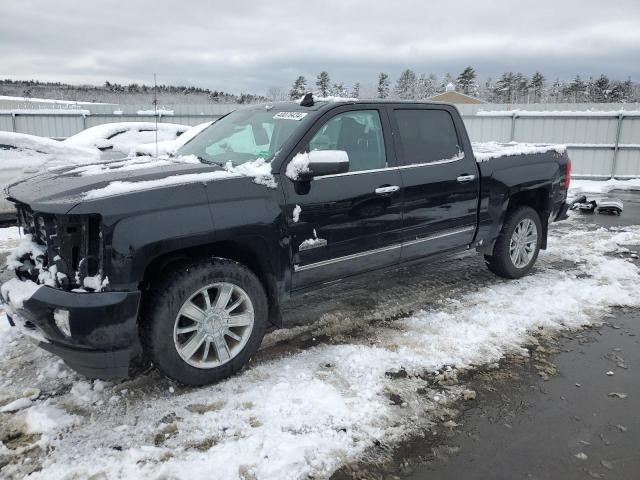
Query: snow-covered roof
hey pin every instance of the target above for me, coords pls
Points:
(30, 151)
(125, 136)
(48, 100)
(169, 147)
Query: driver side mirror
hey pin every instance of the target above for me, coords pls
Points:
(306, 166)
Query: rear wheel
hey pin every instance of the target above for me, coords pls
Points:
(518, 245)
(203, 323)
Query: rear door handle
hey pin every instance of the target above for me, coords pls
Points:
(387, 189)
(466, 178)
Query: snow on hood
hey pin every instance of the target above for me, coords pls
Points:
(125, 136)
(484, 151)
(259, 170)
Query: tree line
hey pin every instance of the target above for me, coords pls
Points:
(510, 87)
(113, 91)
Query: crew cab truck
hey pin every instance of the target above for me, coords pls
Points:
(190, 261)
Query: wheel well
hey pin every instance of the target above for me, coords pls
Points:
(241, 253)
(538, 199)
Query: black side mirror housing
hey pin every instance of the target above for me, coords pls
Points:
(324, 162)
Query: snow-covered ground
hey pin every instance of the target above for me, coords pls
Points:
(602, 186)
(305, 412)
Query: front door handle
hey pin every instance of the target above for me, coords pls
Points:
(387, 189)
(466, 178)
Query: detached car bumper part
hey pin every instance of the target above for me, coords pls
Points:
(92, 332)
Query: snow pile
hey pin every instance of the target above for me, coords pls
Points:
(48, 419)
(310, 243)
(125, 136)
(95, 283)
(169, 147)
(16, 405)
(135, 163)
(297, 166)
(484, 151)
(33, 151)
(603, 186)
(329, 98)
(304, 415)
(17, 291)
(122, 187)
(259, 169)
(28, 256)
(26, 253)
(297, 210)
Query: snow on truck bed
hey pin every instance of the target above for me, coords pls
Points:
(484, 151)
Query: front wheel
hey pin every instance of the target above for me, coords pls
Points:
(518, 245)
(203, 323)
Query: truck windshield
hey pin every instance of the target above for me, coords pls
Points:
(244, 136)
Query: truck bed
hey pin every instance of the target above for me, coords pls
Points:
(484, 151)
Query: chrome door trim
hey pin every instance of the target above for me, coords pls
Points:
(457, 158)
(300, 268)
(442, 234)
(400, 167)
(353, 256)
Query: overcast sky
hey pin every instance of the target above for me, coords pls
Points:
(240, 45)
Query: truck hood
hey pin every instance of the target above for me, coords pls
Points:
(59, 190)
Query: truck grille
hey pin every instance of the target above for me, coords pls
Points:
(72, 244)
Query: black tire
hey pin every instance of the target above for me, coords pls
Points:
(500, 261)
(165, 300)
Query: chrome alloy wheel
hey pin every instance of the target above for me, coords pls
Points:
(213, 325)
(523, 243)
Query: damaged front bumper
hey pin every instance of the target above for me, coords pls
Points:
(94, 333)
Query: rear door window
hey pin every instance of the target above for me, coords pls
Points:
(427, 136)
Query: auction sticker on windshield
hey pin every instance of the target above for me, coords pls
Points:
(290, 115)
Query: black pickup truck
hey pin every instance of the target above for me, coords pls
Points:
(189, 260)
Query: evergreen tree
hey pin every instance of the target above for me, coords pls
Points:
(600, 89)
(298, 89)
(323, 83)
(467, 81)
(576, 90)
(537, 86)
(355, 91)
(383, 85)
(504, 88)
(406, 85)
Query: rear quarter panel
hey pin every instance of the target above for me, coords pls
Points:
(504, 177)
